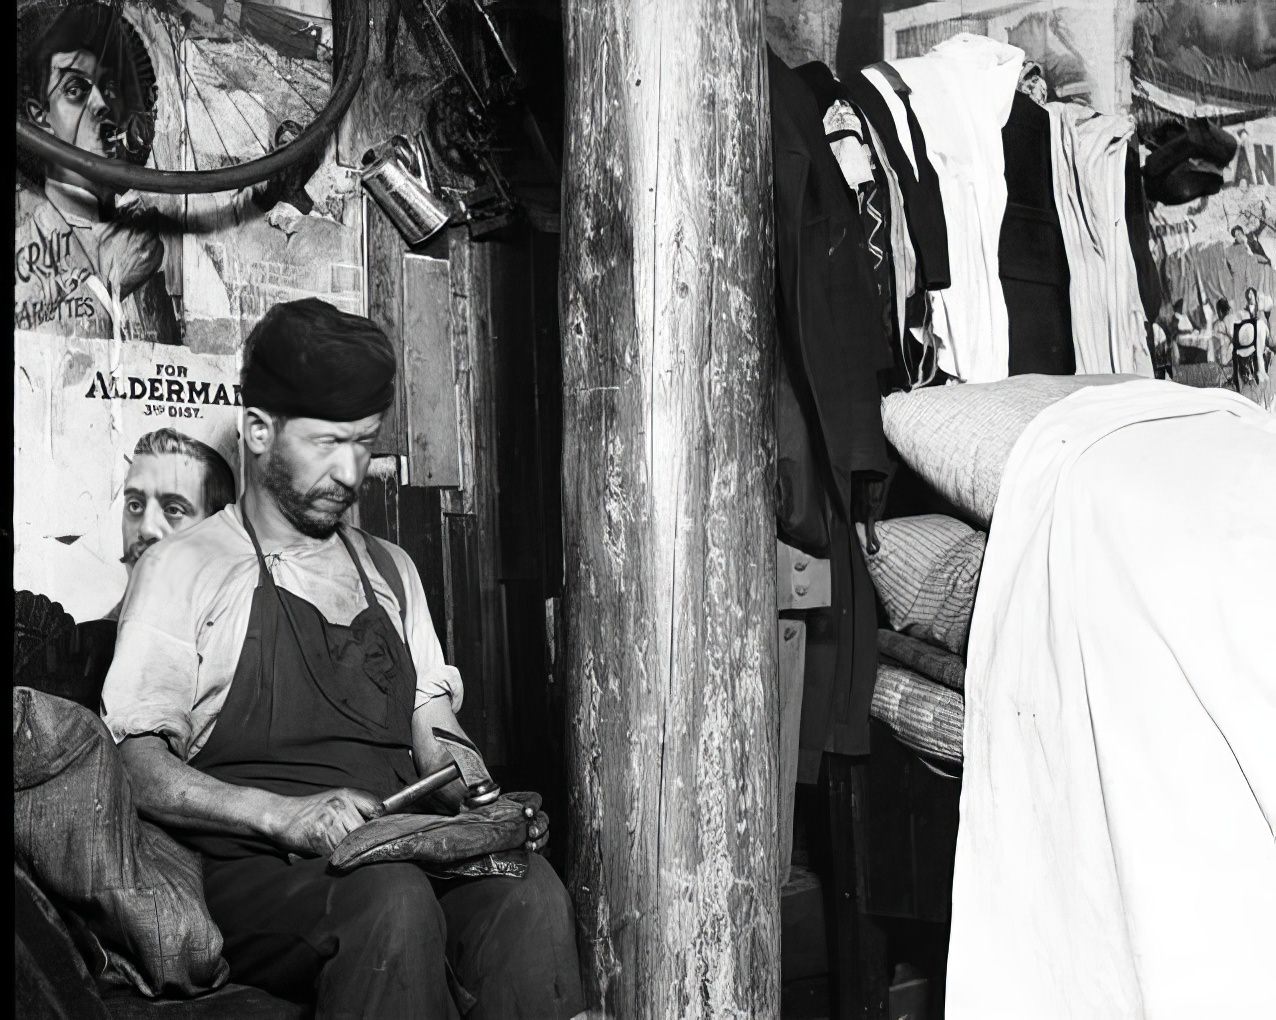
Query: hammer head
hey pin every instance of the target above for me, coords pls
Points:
(484, 792)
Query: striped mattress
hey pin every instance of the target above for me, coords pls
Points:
(924, 715)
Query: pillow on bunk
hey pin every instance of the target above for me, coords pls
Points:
(959, 437)
(926, 572)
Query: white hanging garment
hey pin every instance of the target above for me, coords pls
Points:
(961, 93)
(1087, 152)
(845, 133)
(903, 257)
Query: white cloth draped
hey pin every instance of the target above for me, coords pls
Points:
(1116, 855)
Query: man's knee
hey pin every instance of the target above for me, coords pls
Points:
(501, 918)
(513, 944)
(539, 901)
(395, 900)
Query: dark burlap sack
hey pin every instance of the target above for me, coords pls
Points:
(134, 894)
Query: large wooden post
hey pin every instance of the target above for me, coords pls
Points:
(668, 463)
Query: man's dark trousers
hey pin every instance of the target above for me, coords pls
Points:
(378, 941)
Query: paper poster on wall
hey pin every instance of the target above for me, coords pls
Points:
(116, 444)
(1194, 59)
(178, 85)
(1074, 42)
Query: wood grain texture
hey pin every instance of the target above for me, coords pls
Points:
(468, 640)
(468, 278)
(478, 610)
(669, 655)
(434, 455)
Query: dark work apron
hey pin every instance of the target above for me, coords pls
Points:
(313, 706)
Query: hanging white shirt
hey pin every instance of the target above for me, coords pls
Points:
(961, 93)
(1087, 153)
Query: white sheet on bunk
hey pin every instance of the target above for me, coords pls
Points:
(1115, 856)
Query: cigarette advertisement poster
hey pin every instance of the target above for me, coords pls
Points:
(183, 86)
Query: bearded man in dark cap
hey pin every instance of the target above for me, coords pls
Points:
(277, 676)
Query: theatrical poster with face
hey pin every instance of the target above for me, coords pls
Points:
(131, 308)
(116, 446)
(1073, 43)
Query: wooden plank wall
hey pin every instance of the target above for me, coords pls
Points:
(475, 614)
(489, 550)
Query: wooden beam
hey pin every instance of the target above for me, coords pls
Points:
(668, 467)
(791, 673)
(429, 381)
(476, 608)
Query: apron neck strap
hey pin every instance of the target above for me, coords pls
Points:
(368, 593)
(262, 572)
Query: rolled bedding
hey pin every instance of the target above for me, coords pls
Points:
(926, 572)
(957, 438)
(924, 715)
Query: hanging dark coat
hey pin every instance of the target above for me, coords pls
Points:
(834, 347)
(923, 204)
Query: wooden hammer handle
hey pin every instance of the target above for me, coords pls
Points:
(409, 795)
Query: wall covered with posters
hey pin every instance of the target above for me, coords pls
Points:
(1217, 60)
(131, 308)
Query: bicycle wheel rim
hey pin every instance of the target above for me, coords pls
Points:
(124, 177)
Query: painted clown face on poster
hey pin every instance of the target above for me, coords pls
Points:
(81, 106)
(88, 262)
(89, 82)
(178, 86)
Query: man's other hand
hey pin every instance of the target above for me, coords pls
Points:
(314, 825)
(537, 832)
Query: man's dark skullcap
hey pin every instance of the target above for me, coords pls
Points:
(308, 359)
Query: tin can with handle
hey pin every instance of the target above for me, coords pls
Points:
(394, 174)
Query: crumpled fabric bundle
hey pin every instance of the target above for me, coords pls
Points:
(132, 894)
(484, 841)
(1187, 161)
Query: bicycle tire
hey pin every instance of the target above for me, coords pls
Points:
(125, 177)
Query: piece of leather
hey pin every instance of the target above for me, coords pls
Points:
(442, 840)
